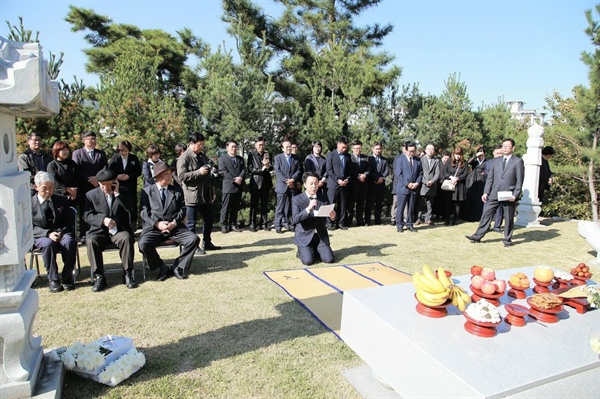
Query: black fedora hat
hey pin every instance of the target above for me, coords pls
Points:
(161, 167)
(105, 175)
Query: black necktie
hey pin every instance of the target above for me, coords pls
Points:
(47, 212)
(163, 195)
(234, 161)
(504, 163)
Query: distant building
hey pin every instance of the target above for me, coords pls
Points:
(525, 115)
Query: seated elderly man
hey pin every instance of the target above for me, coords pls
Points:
(53, 231)
(163, 213)
(311, 235)
(107, 213)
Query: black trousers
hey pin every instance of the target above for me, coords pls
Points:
(97, 243)
(357, 202)
(283, 209)
(230, 206)
(67, 246)
(257, 196)
(181, 235)
(205, 210)
(339, 197)
(489, 213)
(374, 200)
(317, 246)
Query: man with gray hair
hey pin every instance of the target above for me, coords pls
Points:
(53, 231)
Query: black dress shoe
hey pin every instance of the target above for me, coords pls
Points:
(236, 229)
(164, 272)
(130, 281)
(179, 273)
(224, 230)
(209, 246)
(199, 252)
(497, 229)
(279, 231)
(99, 283)
(473, 239)
(508, 244)
(399, 229)
(252, 228)
(412, 229)
(343, 228)
(68, 285)
(266, 227)
(331, 227)
(55, 286)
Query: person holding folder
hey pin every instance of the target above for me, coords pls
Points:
(311, 235)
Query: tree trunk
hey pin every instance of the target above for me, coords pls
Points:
(591, 186)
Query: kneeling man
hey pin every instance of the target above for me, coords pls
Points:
(107, 213)
(53, 224)
(163, 212)
(311, 232)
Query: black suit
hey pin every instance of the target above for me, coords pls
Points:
(133, 169)
(65, 175)
(231, 168)
(58, 219)
(376, 190)
(98, 236)
(173, 210)
(502, 178)
(545, 175)
(261, 184)
(317, 165)
(30, 162)
(310, 235)
(285, 171)
(358, 190)
(86, 167)
(337, 194)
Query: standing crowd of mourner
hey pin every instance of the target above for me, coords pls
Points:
(426, 188)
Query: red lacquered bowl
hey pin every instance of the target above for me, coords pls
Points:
(481, 323)
(580, 278)
(514, 287)
(554, 310)
(486, 296)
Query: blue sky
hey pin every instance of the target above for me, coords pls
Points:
(511, 49)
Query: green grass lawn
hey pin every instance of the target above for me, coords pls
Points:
(229, 332)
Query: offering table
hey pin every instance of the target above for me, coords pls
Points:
(422, 357)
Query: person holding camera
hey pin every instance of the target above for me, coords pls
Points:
(107, 212)
(195, 169)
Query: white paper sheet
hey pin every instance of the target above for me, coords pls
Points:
(324, 211)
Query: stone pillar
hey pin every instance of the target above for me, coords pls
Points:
(529, 206)
(25, 91)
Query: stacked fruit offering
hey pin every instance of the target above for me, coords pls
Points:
(432, 291)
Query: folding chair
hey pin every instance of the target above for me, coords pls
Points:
(110, 247)
(35, 252)
(165, 244)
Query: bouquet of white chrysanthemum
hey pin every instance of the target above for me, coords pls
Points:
(593, 295)
(86, 357)
(108, 360)
(122, 368)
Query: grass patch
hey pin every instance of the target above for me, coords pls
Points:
(229, 332)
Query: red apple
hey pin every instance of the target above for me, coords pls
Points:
(500, 285)
(488, 274)
(477, 282)
(488, 288)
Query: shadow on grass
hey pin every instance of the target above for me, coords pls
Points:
(199, 351)
(368, 250)
(222, 261)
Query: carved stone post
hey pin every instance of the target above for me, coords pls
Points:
(25, 90)
(529, 206)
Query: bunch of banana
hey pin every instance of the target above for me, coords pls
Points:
(459, 297)
(430, 290)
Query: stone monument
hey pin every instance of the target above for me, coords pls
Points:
(529, 205)
(25, 91)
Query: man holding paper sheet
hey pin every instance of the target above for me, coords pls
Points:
(502, 188)
(311, 235)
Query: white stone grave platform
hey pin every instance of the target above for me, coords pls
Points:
(421, 357)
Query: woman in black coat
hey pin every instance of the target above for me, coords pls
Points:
(316, 163)
(457, 170)
(64, 172)
(128, 168)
